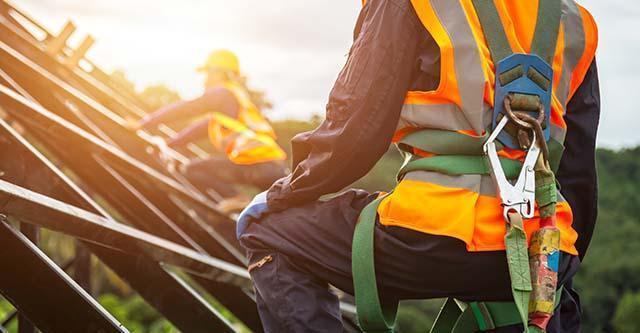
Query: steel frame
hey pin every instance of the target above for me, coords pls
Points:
(93, 179)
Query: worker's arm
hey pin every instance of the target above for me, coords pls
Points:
(577, 173)
(193, 132)
(214, 99)
(363, 110)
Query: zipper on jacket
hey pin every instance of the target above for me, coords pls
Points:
(260, 262)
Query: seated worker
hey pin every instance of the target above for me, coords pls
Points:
(235, 127)
(441, 79)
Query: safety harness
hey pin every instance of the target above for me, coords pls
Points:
(521, 121)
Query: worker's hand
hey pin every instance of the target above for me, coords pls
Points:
(166, 154)
(254, 211)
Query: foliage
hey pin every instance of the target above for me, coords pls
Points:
(625, 319)
(6, 309)
(135, 314)
(611, 267)
(417, 316)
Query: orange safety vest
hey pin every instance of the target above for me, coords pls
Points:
(467, 207)
(248, 139)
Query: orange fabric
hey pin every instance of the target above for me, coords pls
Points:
(524, 11)
(249, 139)
(466, 215)
(457, 212)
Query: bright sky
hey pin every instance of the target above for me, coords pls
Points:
(294, 49)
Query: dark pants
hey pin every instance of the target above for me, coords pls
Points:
(311, 248)
(221, 175)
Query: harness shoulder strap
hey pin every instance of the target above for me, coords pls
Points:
(493, 29)
(545, 36)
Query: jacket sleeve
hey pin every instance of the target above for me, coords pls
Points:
(192, 133)
(363, 109)
(577, 172)
(214, 99)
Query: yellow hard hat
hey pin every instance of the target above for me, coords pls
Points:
(222, 59)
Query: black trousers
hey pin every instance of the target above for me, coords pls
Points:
(310, 248)
(221, 175)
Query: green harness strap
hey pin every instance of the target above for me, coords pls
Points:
(544, 38)
(454, 317)
(493, 29)
(372, 316)
(518, 262)
(457, 316)
(474, 163)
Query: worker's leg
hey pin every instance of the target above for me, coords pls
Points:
(263, 175)
(310, 247)
(291, 299)
(215, 172)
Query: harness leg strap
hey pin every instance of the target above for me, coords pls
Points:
(372, 315)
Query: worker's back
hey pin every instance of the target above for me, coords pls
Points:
(435, 199)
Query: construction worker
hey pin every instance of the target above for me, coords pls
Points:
(426, 75)
(234, 126)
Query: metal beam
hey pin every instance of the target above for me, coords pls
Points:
(174, 299)
(36, 286)
(32, 233)
(59, 216)
(80, 52)
(13, 144)
(56, 44)
(67, 135)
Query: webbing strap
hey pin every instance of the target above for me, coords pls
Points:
(372, 315)
(460, 317)
(544, 38)
(459, 154)
(547, 27)
(442, 142)
(460, 165)
(518, 262)
(493, 30)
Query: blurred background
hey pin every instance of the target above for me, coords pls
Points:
(291, 52)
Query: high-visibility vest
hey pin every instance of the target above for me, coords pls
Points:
(247, 139)
(466, 206)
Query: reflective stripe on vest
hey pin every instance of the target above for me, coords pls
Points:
(465, 206)
(249, 139)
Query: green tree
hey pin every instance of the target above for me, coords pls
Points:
(625, 319)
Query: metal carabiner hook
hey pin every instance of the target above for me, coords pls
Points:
(519, 197)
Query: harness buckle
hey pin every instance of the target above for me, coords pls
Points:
(519, 197)
(529, 77)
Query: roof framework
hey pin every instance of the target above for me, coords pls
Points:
(70, 165)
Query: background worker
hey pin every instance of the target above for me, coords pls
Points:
(235, 127)
(438, 235)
